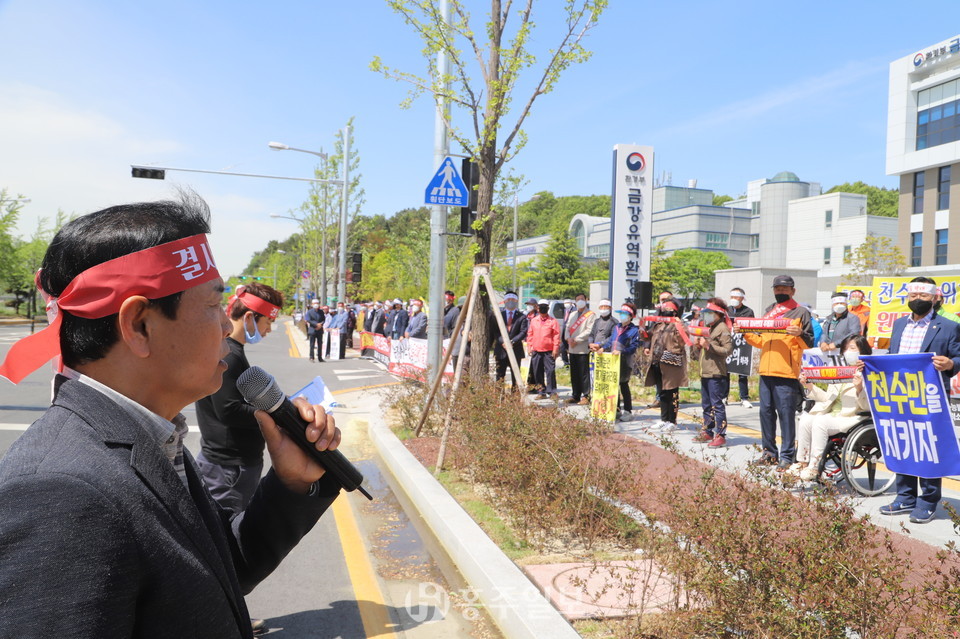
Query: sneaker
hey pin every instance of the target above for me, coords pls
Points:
(668, 427)
(571, 400)
(555, 397)
(718, 442)
(745, 404)
(795, 469)
(809, 474)
(923, 515)
(783, 465)
(655, 426)
(703, 437)
(625, 416)
(896, 508)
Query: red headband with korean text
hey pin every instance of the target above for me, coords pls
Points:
(254, 303)
(100, 291)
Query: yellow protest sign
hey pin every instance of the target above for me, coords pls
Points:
(889, 302)
(606, 386)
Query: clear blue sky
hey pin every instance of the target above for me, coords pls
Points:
(726, 92)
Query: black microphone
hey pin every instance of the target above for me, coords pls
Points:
(262, 392)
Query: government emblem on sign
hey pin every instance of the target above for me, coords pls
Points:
(447, 187)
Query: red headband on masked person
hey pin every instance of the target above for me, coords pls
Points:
(717, 309)
(254, 303)
(100, 291)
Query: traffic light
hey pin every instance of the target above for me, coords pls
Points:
(242, 278)
(150, 174)
(356, 267)
(471, 177)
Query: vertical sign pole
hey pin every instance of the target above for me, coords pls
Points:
(438, 224)
(631, 219)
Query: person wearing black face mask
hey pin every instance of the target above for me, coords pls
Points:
(543, 342)
(780, 358)
(923, 331)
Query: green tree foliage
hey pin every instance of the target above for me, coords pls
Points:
(486, 63)
(9, 216)
(546, 214)
(19, 258)
(659, 275)
(560, 271)
(396, 254)
(690, 273)
(876, 256)
(720, 200)
(880, 201)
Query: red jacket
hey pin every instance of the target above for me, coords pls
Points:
(543, 334)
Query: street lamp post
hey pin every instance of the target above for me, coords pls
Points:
(342, 275)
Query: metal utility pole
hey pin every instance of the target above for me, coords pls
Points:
(438, 220)
(323, 235)
(342, 274)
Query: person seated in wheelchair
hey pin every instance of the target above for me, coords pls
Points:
(837, 410)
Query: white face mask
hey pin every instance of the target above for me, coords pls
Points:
(839, 309)
(851, 357)
(856, 301)
(733, 302)
(256, 337)
(581, 304)
(415, 308)
(604, 312)
(531, 308)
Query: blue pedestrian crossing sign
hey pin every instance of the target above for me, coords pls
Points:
(447, 187)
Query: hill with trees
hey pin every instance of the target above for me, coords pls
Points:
(880, 201)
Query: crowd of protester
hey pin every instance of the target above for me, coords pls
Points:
(657, 346)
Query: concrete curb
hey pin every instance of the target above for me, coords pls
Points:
(512, 601)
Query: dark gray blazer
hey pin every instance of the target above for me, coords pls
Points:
(100, 538)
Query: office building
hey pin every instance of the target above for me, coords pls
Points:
(923, 149)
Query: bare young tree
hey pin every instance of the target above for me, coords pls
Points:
(480, 87)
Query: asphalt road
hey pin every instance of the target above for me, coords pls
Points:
(314, 593)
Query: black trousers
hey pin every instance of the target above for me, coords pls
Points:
(503, 365)
(669, 399)
(580, 375)
(316, 339)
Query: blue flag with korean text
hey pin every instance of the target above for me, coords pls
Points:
(911, 412)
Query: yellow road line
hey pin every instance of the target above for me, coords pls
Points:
(370, 600)
(294, 351)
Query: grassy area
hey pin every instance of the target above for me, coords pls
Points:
(486, 517)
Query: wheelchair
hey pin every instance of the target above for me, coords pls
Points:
(855, 456)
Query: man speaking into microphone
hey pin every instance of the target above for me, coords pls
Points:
(106, 529)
